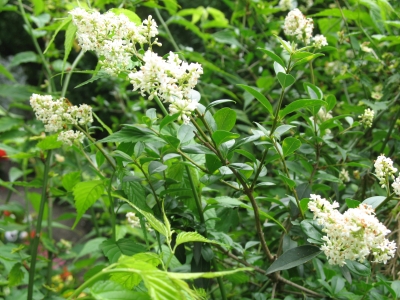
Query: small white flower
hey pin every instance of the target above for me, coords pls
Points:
(367, 117)
(384, 169)
(296, 24)
(320, 41)
(396, 186)
(344, 175)
(286, 4)
(70, 137)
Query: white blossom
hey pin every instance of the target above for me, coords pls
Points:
(296, 24)
(384, 169)
(70, 137)
(367, 117)
(132, 219)
(286, 4)
(353, 235)
(344, 175)
(319, 41)
(112, 37)
(396, 186)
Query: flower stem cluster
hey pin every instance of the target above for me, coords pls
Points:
(171, 80)
(56, 114)
(367, 117)
(113, 37)
(353, 235)
(384, 169)
(296, 24)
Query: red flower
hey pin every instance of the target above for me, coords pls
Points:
(3, 155)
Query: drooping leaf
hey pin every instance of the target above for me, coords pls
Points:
(85, 195)
(68, 42)
(294, 257)
(6, 73)
(217, 102)
(274, 57)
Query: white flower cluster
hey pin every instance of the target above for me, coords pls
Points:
(367, 117)
(353, 235)
(396, 186)
(171, 80)
(344, 175)
(296, 24)
(134, 221)
(56, 114)
(322, 116)
(286, 4)
(384, 169)
(112, 37)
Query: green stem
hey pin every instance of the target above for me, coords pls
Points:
(112, 206)
(50, 233)
(171, 38)
(36, 44)
(94, 220)
(389, 133)
(161, 105)
(196, 197)
(69, 74)
(312, 73)
(277, 111)
(36, 240)
(259, 169)
(220, 282)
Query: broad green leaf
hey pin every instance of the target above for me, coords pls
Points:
(134, 18)
(274, 57)
(222, 136)
(160, 286)
(91, 247)
(307, 59)
(156, 167)
(285, 80)
(70, 180)
(6, 73)
(226, 37)
(85, 195)
(186, 133)
(24, 57)
(7, 123)
(290, 145)
(217, 102)
(186, 237)
(260, 97)
(225, 118)
(281, 130)
(331, 100)
(114, 249)
(396, 287)
(171, 140)
(134, 192)
(374, 201)
(352, 203)
(49, 142)
(358, 268)
(290, 183)
(38, 6)
(313, 91)
(299, 104)
(294, 257)
(16, 275)
(105, 290)
(131, 134)
(168, 119)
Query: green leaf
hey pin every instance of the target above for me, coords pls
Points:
(105, 290)
(217, 102)
(222, 136)
(85, 195)
(68, 42)
(134, 191)
(63, 23)
(6, 73)
(70, 180)
(102, 123)
(114, 249)
(49, 142)
(196, 275)
(312, 230)
(313, 91)
(92, 246)
(168, 119)
(186, 133)
(289, 182)
(186, 237)
(274, 57)
(299, 104)
(134, 18)
(374, 201)
(331, 100)
(16, 275)
(38, 6)
(307, 59)
(358, 268)
(352, 203)
(156, 167)
(7, 123)
(260, 97)
(196, 149)
(285, 80)
(225, 118)
(24, 57)
(132, 134)
(294, 257)
(171, 140)
(226, 37)
(290, 145)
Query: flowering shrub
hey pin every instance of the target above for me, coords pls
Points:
(204, 163)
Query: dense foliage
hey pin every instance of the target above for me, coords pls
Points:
(234, 149)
